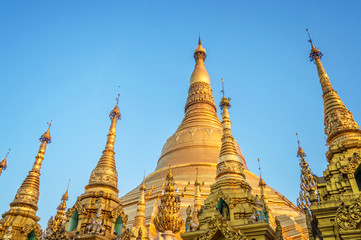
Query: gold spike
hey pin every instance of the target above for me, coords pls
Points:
(60, 216)
(168, 217)
(105, 173)
(338, 120)
(28, 193)
(197, 193)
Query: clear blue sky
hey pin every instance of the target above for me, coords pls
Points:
(64, 60)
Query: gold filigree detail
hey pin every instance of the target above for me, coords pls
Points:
(168, 216)
(355, 161)
(33, 227)
(349, 217)
(230, 201)
(118, 211)
(218, 223)
(79, 208)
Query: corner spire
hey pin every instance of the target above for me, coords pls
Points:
(197, 193)
(168, 217)
(105, 173)
(338, 120)
(3, 163)
(60, 216)
(229, 163)
(27, 196)
(308, 184)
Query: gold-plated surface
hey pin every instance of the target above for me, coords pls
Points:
(168, 217)
(231, 210)
(336, 214)
(196, 144)
(22, 216)
(338, 120)
(98, 209)
(308, 182)
(55, 226)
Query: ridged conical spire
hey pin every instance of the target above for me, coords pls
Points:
(60, 216)
(105, 173)
(229, 164)
(200, 91)
(27, 196)
(3, 163)
(339, 122)
(139, 220)
(308, 182)
(168, 217)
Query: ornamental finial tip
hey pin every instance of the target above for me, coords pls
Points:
(46, 136)
(199, 39)
(315, 53)
(300, 152)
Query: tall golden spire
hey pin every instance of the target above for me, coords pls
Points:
(229, 163)
(3, 163)
(308, 182)
(200, 73)
(339, 122)
(105, 173)
(168, 217)
(27, 196)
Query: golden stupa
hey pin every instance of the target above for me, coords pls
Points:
(193, 151)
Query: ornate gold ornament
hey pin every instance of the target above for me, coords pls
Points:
(354, 163)
(349, 217)
(279, 232)
(308, 182)
(79, 208)
(168, 216)
(218, 223)
(230, 201)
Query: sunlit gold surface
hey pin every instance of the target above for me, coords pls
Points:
(22, 214)
(196, 144)
(338, 210)
(99, 206)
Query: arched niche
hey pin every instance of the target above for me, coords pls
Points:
(223, 209)
(73, 221)
(118, 227)
(31, 236)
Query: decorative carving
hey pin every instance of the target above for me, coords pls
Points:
(168, 217)
(230, 201)
(279, 232)
(354, 162)
(218, 223)
(308, 192)
(78, 207)
(118, 211)
(96, 227)
(59, 234)
(33, 227)
(348, 218)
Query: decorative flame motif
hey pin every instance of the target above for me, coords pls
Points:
(308, 182)
(168, 217)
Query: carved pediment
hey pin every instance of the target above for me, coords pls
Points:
(355, 161)
(78, 207)
(32, 227)
(218, 223)
(230, 201)
(118, 211)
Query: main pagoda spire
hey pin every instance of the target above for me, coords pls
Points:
(105, 173)
(22, 214)
(339, 122)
